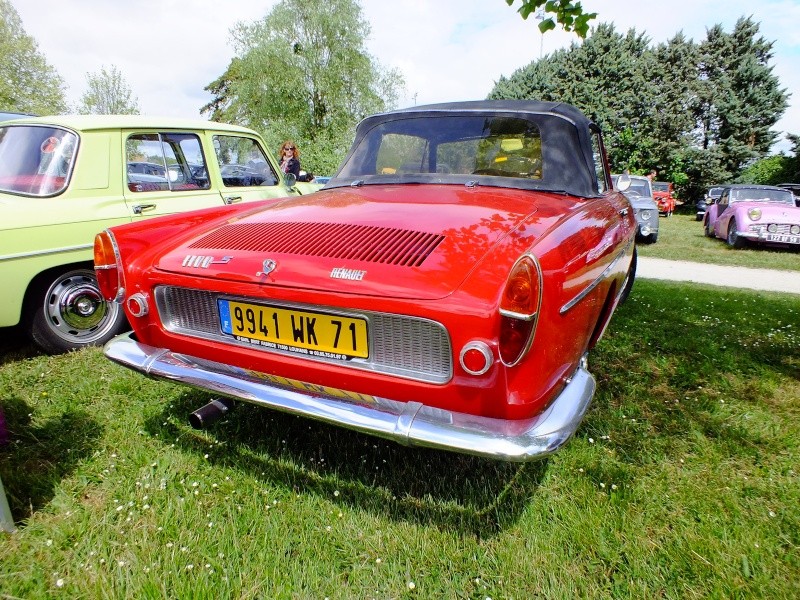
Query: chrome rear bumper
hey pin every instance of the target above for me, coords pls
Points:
(409, 423)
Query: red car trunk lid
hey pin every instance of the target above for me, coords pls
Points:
(389, 241)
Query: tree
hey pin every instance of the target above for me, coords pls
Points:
(740, 98)
(302, 72)
(107, 94)
(609, 77)
(569, 14)
(696, 113)
(27, 82)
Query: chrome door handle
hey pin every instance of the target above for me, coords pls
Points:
(232, 199)
(623, 212)
(140, 208)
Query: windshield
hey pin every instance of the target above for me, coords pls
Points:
(660, 186)
(762, 195)
(36, 161)
(498, 146)
(639, 187)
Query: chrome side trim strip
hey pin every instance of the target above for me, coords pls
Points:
(409, 423)
(46, 252)
(585, 292)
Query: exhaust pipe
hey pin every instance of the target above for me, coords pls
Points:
(205, 415)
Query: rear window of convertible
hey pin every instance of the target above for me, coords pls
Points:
(462, 145)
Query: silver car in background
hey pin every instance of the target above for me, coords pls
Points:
(639, 192)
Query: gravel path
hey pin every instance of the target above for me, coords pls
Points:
(738, 277)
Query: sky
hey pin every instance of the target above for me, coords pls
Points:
(446, 50)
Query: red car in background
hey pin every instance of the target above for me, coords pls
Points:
(443, 290)
(662, 194)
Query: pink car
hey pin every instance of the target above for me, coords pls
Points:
(760, 214)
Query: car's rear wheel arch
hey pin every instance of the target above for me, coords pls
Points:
(604, 317)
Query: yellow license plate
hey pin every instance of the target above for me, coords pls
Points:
(303, 332)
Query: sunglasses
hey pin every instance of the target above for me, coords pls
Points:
(288, 148)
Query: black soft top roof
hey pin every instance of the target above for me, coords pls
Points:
(567, 151)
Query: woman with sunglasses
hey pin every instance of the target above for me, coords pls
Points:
(289, 156)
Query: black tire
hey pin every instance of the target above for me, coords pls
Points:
(67, 312)
(651, 239)
(734, 239)
(627, 285)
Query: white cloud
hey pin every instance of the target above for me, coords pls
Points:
(448, 50)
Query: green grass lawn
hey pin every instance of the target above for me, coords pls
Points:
(680, 237)
(682, 482)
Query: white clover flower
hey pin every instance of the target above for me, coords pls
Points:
(411, 585)
(59, 583)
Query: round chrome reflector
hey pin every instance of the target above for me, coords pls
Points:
(476, 358)
(137, 305)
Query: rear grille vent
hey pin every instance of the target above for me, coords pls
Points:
(367, 243)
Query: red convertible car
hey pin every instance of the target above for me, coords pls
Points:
(443, 290)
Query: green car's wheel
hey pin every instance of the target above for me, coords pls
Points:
(68, 312)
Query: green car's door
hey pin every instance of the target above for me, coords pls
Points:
(167, 172)
(247, 172)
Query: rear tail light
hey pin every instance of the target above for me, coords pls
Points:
(107, 267)
(519, 309)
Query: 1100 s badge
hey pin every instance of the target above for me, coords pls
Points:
(203, 262)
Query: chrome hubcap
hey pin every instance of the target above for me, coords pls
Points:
(76, 310)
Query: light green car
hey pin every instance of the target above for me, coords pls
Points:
(64, 179)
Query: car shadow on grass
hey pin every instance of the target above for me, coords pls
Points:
(15, 345)
(35, 457)
(456, 492)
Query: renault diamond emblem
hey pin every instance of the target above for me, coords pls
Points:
(267, 267)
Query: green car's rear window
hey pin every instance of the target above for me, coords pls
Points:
(36, 160)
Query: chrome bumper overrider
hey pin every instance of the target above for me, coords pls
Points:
(409, 423)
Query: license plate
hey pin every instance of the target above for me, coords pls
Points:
(299, 331)
(784, 239)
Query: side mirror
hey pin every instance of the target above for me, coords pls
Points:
(623, 182)
(289, 180)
